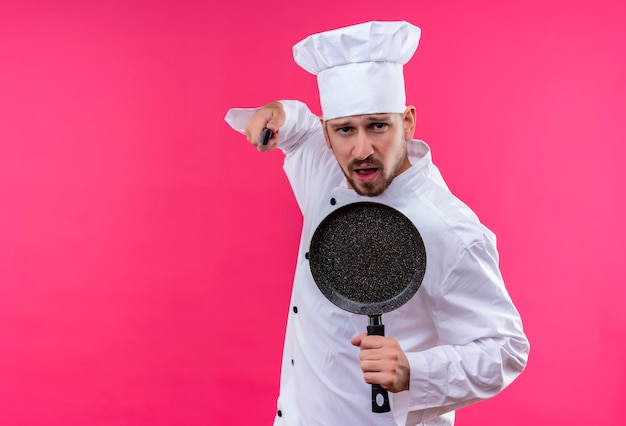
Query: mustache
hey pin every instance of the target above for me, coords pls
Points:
(367, 163)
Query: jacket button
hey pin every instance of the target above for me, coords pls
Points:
(295, 309)
(280, 413)
(306, 255)
(333, 201)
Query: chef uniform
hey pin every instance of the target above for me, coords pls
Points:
(461, 333)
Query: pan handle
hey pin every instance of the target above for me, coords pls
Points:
(380, 396)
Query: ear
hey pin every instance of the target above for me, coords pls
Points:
(323, 123)
(409, 123)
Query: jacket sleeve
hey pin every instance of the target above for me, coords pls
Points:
(300, 123)
(302, 141)
(483, 347)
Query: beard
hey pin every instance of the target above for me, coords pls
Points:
(375, 187)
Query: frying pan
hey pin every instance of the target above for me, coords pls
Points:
(368, 258)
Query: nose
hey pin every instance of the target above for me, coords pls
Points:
(363, 147)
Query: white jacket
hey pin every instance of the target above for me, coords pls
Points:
(461, 333)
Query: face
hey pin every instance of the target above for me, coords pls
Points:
(371, 149)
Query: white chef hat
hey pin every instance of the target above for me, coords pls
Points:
(359, 68)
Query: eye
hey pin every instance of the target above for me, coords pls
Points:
(344, 130)
(379, 126)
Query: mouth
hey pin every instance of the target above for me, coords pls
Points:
(366, 173)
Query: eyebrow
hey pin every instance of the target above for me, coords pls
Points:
(378, 117)
(372, 118)
(340, 124)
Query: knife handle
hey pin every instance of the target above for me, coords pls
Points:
(266, 135)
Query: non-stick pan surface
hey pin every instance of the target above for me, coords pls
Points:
(367, 258)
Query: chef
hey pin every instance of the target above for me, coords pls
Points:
(460, 339)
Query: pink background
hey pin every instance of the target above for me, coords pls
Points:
(146, 251)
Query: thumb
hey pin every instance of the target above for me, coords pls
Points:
(356, 341)
(274, 124)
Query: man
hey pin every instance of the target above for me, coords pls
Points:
(459, 339)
